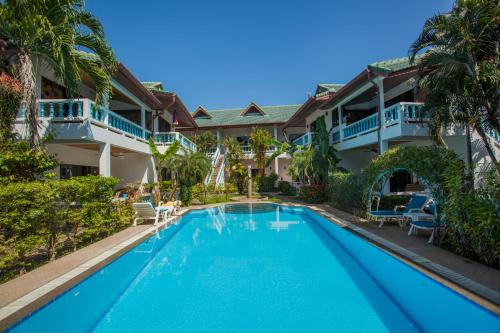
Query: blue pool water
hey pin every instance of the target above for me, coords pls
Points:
(258, 268)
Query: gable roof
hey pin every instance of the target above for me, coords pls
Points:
(326, 88)
(235, 117)
(201, 110)
(253, 108)
(154, 85)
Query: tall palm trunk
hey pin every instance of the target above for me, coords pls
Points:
(27, 78)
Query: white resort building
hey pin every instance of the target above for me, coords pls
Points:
(373, 112)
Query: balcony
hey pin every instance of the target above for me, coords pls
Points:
(401, 120)
(304, 140)
(82, 120)
(247, 150)
(167, 138)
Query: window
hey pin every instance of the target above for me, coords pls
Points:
(69, 170)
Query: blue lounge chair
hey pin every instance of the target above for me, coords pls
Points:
(425, 225)
(416, 204)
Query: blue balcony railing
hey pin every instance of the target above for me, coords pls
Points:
(304, 140)
(166, 138)
(60, 108)
(125, 125)
(336, 136)
(361, 126)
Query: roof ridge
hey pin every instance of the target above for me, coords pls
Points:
(245, 107)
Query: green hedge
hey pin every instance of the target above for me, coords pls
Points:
(346, 192)
(267, 183)
(42, 220)
(286, 188)
(473, 216)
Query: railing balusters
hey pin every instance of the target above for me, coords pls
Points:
(41, 106)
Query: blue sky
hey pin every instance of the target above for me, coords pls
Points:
(222, 54)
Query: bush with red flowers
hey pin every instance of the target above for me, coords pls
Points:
(313, 193)
(10, 100)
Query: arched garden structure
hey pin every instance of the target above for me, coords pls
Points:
(428, 163)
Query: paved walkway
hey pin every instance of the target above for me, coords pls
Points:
(18, 287)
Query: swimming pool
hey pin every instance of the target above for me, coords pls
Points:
(258, 268)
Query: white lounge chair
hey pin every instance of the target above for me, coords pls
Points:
(146, 211)
(416, 204)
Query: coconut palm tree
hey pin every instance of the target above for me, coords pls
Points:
(260, 141)
(460, 72)
(61, 35)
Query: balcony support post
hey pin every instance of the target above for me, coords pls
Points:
(143, 121)
(381, 108)
(105, 159)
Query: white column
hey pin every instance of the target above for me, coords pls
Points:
(143, 117)
(106, 103)
(275, 128)
(384, 146)
(153, 169)
(341, 125)
(217, 132)
(381, 107)
(156, 124)
(105, 159)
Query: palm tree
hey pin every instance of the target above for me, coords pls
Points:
(325, 160)
(190, 168)
(163, 161)
(460, 72)
(61, 35)
(260, 141)
(302, 165)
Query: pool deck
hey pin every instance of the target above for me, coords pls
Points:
(24, 294)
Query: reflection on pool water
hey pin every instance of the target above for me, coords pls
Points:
(258, 268)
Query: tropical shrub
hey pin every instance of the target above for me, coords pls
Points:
(346, 192)
(286, 188)
(313, 193)
(19, 162)
(266, 183)
(473, 216)
(213, 194)
(204, 141)
(40, 220)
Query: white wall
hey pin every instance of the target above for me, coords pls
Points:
(132, 168)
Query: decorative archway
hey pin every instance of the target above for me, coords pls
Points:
(384, 176)
(428, 163)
